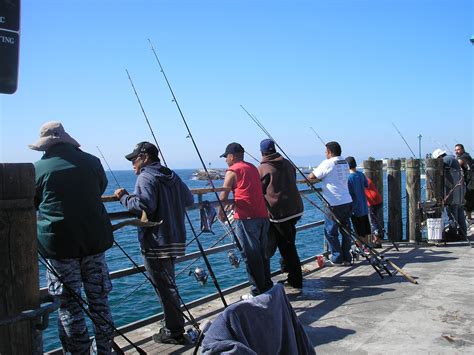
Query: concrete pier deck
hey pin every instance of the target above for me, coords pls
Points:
(353, 310)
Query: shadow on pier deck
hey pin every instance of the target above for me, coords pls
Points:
(350, 309)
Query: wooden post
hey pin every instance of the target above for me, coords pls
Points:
(373, 169)
(434, 179)
(413, 191)
(19, 283)
(394, 182)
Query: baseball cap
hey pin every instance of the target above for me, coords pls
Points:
(140, 148)
(437, 153)
(267, 146)
(232, 148)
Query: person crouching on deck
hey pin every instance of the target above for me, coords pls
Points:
(74, 231)
(251, 217)
(163, 196)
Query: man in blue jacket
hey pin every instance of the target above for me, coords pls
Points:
(163, 196)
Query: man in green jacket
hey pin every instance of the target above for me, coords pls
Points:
(74, 231)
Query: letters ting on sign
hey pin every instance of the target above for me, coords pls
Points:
(7, 40)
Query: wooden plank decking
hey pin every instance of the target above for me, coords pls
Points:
(350, 309)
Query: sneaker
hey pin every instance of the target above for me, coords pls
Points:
(329, 263)
(346, 263)
(164, 337)
(247, 296)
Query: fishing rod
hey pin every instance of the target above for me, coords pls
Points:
(190, 135)
(81, 302)
(317, 135)
(401, 135)
(198, 242)
(375, 253)
(190, 319)
(375, 266)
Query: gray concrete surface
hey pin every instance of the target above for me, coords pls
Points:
(357, 312)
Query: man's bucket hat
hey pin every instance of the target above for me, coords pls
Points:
(52, 133)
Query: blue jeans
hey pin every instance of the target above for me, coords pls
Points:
(340, 252)
(253, 239)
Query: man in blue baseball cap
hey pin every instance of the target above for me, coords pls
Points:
(285, 208)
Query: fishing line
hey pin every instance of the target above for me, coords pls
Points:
(201, 249)
(317, 135)
(401, 135)
(251, 156)
(375, 253)
(123, 299)
(108, 166)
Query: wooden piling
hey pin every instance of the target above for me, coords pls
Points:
(413, 192)
(434, 180)
(394, 192)
(19, 282)
(373, 169)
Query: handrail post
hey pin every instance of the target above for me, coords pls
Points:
(19, 279)
(434, 180)
(394, 185)
(413, 191)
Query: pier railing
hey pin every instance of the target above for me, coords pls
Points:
(18, 224)
(199, 192)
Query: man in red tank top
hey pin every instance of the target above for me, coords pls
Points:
(251, 217)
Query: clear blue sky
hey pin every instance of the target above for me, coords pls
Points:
(347, 68)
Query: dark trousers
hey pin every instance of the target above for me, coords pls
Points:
(161, 271)
(284, 234)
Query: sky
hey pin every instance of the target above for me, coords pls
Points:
(348, 68)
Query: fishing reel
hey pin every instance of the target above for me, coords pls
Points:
(233, 258)
(355, 253)
(200, 275)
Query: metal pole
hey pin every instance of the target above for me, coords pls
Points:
(419, 146)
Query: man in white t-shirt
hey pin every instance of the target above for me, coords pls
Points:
(333, 174)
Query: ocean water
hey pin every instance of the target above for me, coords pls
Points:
(133, 297)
